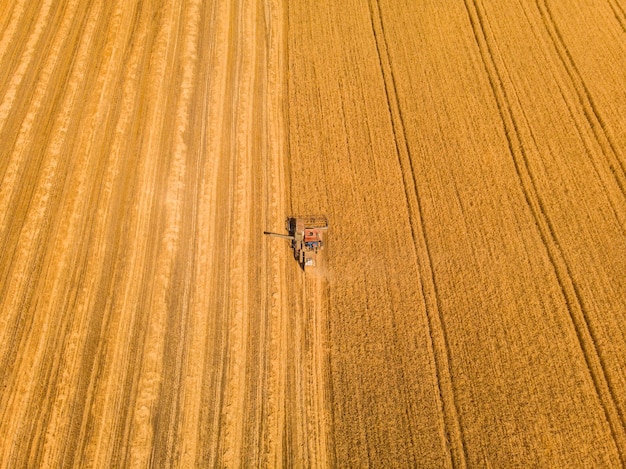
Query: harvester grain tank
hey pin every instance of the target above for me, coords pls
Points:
(307, 238)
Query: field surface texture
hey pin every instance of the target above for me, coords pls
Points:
(470, 310)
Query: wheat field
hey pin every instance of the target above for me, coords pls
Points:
(470, 310)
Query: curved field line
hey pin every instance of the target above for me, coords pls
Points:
(619, 13)
(596, 122)
(588, 144)
(568, 288)
(437, 335)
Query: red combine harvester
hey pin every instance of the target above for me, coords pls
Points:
(307, 238)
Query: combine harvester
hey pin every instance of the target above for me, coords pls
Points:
(306, 235)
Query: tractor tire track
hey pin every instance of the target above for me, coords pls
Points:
(590, 110)
(604, 173)
(440, 349)
(619, 13)
(343, 152)
(571, 295)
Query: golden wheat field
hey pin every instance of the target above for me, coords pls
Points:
(470, 309)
